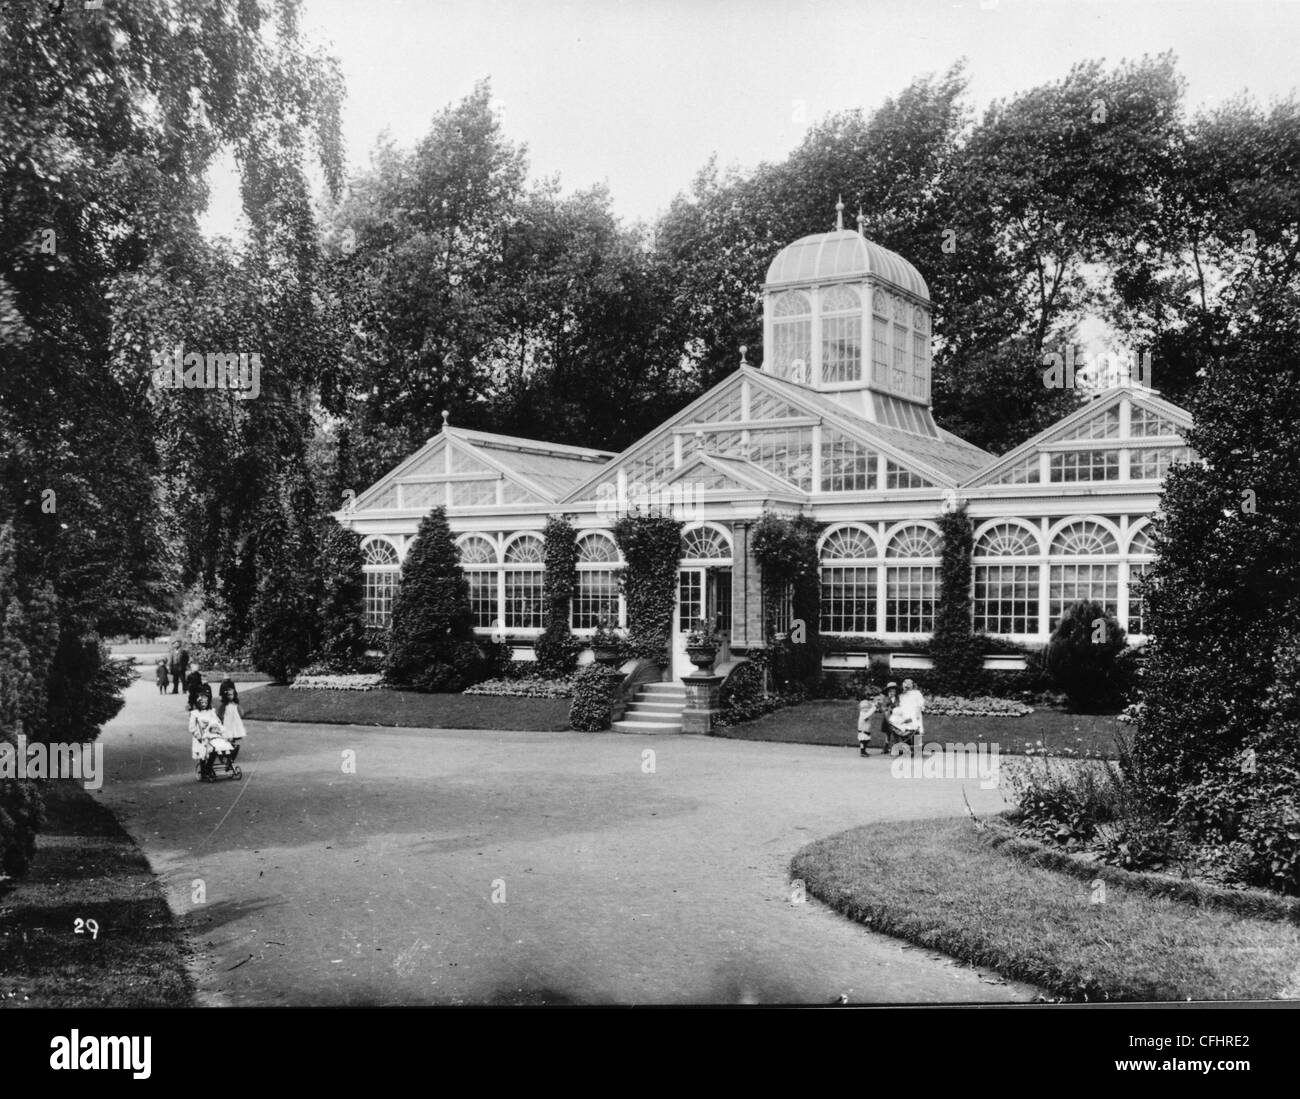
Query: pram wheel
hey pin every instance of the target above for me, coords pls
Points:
(239, 773)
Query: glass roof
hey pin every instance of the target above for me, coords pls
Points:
(843, 254)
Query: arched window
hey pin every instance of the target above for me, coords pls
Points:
(379, 569)
(848, 582)
(1083, 538)
(523, 580)
(841, 335)
(1141, 551)
(1007, 540)
(705, 544)
(910, 590)
(914, 541)
(597, 593)
(792, 335)
(1090, 576)
(1006, 595)
(478, 560)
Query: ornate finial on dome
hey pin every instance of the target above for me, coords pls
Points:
(861, 219)
(445, 417)
(743, 352)
(839, 213)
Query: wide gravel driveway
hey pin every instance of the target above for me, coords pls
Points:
(502, 867)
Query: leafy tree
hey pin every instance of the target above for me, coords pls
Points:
(431, 643)
(112, 118)
(1225, 586)
(284, 612)
(21, 708)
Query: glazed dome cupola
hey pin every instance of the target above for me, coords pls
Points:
(847, 316)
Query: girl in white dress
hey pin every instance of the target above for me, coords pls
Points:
(204, 726)
(228, 712)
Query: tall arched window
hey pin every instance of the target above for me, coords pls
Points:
(841, 335)
(524, 576)
(478, 560)
(379, 569)
(1141, 553)
(792, 335)
(1006, 591)
(597, 593)
(1091, 571)
(911, 587)
(849, 563)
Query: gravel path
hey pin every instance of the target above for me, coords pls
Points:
(614, 882)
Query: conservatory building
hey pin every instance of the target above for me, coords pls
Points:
(835, 423)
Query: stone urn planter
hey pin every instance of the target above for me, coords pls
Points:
(702, 656)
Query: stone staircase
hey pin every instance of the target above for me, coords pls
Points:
(657, 708)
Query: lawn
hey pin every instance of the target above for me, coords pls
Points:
(944, 885)
(408, 709)
(835, 723)
(87, 868)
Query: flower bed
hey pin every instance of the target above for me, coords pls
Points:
(523, 688)
(985, 706)
(361, 682)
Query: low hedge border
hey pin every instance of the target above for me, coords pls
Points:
(1001, 834)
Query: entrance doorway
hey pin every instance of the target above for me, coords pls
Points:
(703, 593)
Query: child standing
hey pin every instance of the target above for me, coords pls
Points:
(160, 673)
(866, 711)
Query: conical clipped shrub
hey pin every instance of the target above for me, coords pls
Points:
(284, 612)
(342, 610)
(1083, 657)
(431, 643)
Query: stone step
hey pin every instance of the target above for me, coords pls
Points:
(646, 728)
(635, 713)
(664, 689)
(650, 702)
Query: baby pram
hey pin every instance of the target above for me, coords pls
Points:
(216, 754)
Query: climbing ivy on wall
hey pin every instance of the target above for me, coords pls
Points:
(957, 651)
(557, 649)
(786, 550)
(651, 546)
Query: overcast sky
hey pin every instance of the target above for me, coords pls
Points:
(638, 93)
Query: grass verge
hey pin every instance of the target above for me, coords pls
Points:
(944, 885)
(835, 723)
(88, 868)
(407, 709)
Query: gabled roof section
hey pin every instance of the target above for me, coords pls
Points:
(716, 473)
(944, 461)
(552, 469)
(946, 458)
(1075, 426)
(534, 471)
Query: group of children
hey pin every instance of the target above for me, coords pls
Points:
(215, 734)
(900, 717)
